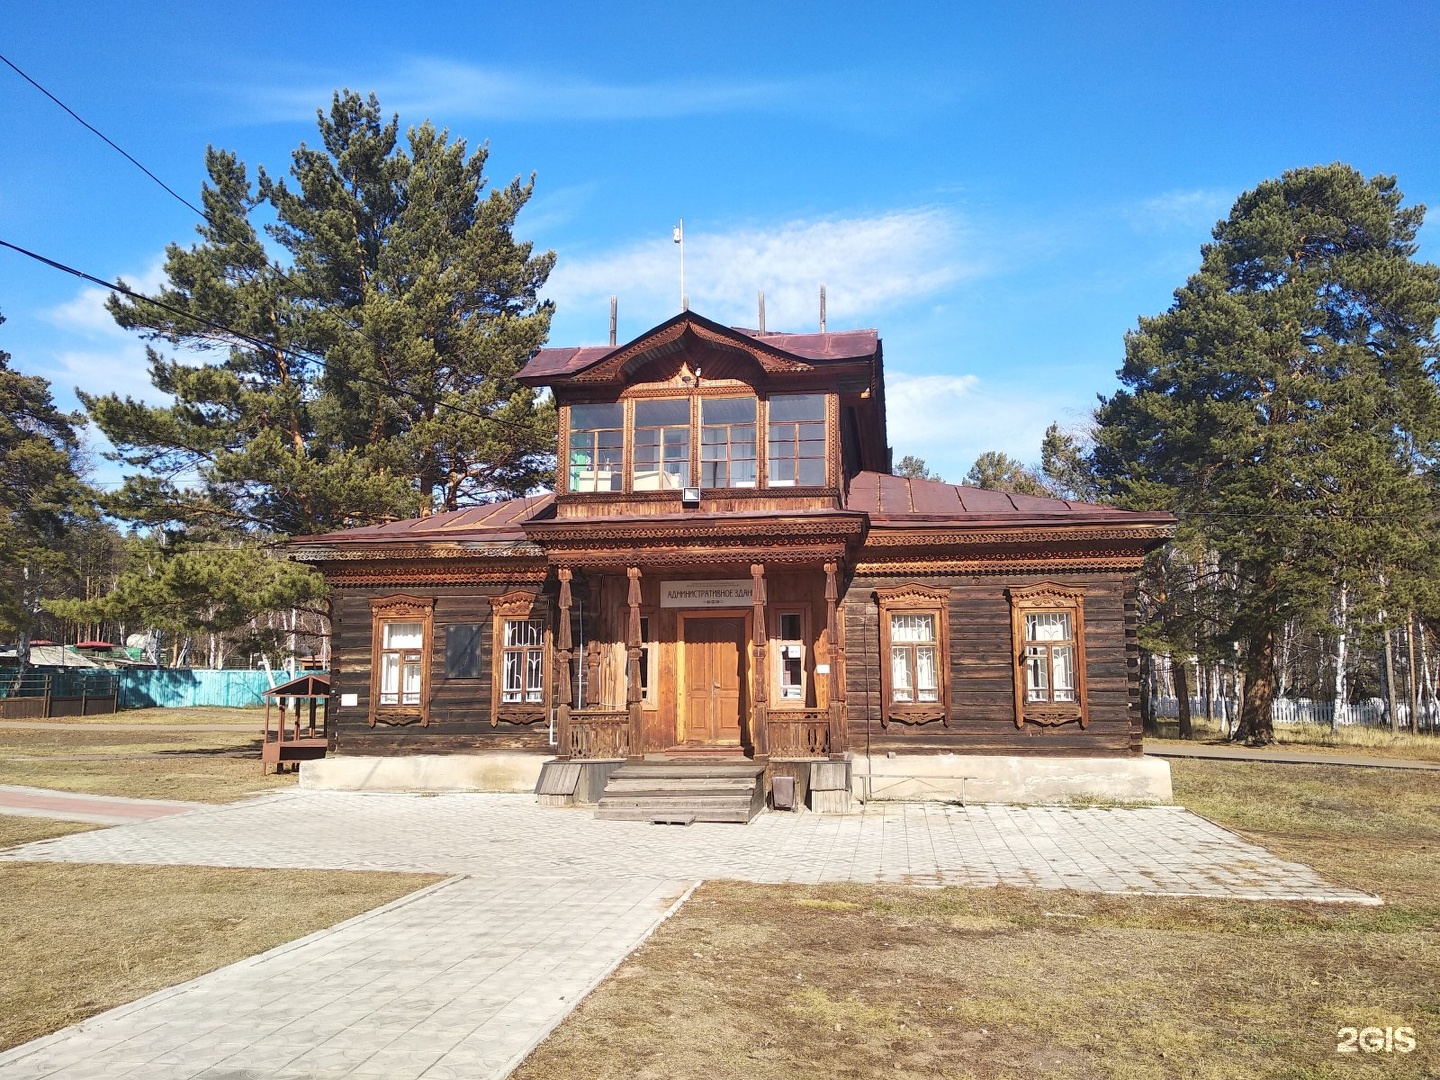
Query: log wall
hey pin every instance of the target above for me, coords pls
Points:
(982, 670)
(459, 708)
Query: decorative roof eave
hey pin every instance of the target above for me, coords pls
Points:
(613, 366)
(1142, 536)
(390, 549)
(844, 526)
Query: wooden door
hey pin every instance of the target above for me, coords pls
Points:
(714, 679)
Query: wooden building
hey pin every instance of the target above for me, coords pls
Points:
(728, 570)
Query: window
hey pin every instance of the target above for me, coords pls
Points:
(914, 632)
(1049, 656)
(597, 447)
(524, 662)
(790, 658)
(727, 442)
(401, 655)
(797, 440)
(521, 672)
(1048, 627)
(662, 445)
(462, 650)
(400, 665)
(914, 651)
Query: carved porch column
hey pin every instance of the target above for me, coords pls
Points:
(836, 658)
(760, 673)
(632, 650)
(564, 654)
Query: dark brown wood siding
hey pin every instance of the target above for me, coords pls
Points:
(459, 708)
(982, 670)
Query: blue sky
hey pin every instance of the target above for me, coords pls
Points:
(1001, 189)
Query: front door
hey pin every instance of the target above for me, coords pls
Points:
(713, 669)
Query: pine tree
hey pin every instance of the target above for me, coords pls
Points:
(916, 469)
(998, 471)
(42, 497)
(367, 376)
(1284, 407)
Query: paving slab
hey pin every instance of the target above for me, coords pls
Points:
(464, 978)
(96, 809)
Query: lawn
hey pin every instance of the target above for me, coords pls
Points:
(80, 939)
(152, 762)
(199, 714)
(865, 981)
(21, 830)
(1353, 739)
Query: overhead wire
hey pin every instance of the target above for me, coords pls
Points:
(256, 342)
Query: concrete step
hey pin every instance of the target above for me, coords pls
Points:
(668, 792)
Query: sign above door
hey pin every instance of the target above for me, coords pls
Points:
(706, 594)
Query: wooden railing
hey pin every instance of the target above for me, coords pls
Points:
(801, 733)
(599, 733)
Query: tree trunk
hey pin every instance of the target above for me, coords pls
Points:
(1256, 721)
(1147, 692)
(1342, 639)
(1410, 682)
(1182, 694)
(1391, 699)
(1429, 680)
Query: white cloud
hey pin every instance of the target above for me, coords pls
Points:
(1196, 209)
(867, 264)
(85, 313)
(432, 86)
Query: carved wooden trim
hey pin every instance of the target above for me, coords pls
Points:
(401, 607)
(1048, 596)
(519, 604)
(890, 534)
(1002, 563)
(922, 599)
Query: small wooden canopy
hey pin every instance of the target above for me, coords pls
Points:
(306, 686)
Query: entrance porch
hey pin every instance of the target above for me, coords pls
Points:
(700, 667)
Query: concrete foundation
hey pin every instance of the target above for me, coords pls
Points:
(999, 778)
(493, 771)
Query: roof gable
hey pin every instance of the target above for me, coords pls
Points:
(775, 354)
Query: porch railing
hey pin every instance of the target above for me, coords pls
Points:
(801, 733)
(599, 733)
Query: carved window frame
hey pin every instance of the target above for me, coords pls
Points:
(517, 605)
(1045, 598)
(397, 608)
(915, 598)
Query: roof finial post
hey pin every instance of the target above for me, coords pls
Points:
(762, 311)
(614, 317)
(679, 236)
(822, 309)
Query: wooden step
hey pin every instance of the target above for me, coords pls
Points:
(669, 792)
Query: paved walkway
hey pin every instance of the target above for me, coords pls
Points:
(1232, 752)
(96, 809)
(463, 979)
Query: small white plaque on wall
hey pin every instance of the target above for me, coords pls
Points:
(349, 701)
(703, 594)
(822, 669)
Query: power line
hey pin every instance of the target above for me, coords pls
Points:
(249, 339)
(99, 134)
(259, 343)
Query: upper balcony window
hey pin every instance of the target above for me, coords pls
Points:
(797, 440)
(727, 442)
(597, 447)
(662, 445)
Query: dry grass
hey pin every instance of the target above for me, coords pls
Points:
(862, 981)
(204, 714)
(1346, 740)
(21, 830)
(79, 939)
(191, 766)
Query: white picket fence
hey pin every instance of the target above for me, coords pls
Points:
(1371, 713)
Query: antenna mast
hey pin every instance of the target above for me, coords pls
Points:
(680, 239)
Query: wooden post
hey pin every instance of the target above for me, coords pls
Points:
(835, 655)
(632, 651)
(565, 652)
(760, 675)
